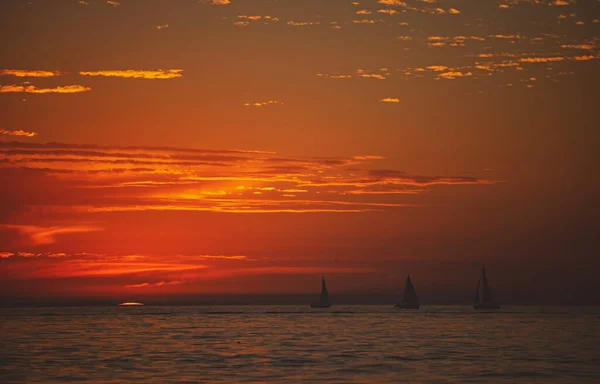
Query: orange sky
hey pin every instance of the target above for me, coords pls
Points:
(162, 148)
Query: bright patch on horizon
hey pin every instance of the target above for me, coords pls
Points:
(131, 304)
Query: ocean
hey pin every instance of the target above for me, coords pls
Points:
(296, 344)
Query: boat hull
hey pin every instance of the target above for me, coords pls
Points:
(486, 306)
(407, 306)
(320, 305)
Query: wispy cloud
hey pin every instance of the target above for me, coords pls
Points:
(393, 2)
(246, 20)
(453, 75)
(47, 235)
(388, 11)
(390, 100)
(302, 23)
(540, 59)
(28, 73)
(585, 58)
(380, 74)
(216, 2)
(154, 285)
(335, 77)
(367, 21)
(17, 133)
(137, 74)
(32, 89)
(183, 179)
(262, 103)
(155, 272)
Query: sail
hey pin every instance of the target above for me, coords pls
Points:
(324, 293)
(410, 295)
(487, 294)
(477, 296)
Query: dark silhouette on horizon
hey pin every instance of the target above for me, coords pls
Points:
(324, 299)
(410, 300)
(483, 294)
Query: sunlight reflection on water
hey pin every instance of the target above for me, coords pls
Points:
(289, 344)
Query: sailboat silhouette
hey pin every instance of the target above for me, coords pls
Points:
(483, 294)
(410, 301)
(324, 299)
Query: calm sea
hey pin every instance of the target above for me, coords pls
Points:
(288, 344)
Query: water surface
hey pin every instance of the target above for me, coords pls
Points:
(287, 344)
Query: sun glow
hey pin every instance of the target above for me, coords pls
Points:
(131, 304)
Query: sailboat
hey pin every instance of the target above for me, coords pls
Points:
(483, 294)
(324, 299)
(410, 301)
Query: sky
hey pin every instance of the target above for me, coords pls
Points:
(164, 151)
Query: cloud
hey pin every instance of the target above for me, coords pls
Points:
(137, 74)
(113, 3)
(222, 257)
(17, 133)
(154, 285)
(150, 273)
(437, 68)
(585, 58)
(562, 2)
(262, 103)
(367, 21)
(453, 75)
(74, 265)
(382, 75)
(92, 179)
(393, 2)
(386, 192)
(335, 77)
(506, 37)
(390, 100)
(253, 18)
(216, 2)
(246, 20)
(47, 235)
(28, 73)
(32, 89)
(402, 178)
(578, 46)
(540, 59)
(302, 23)
(369, 157)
